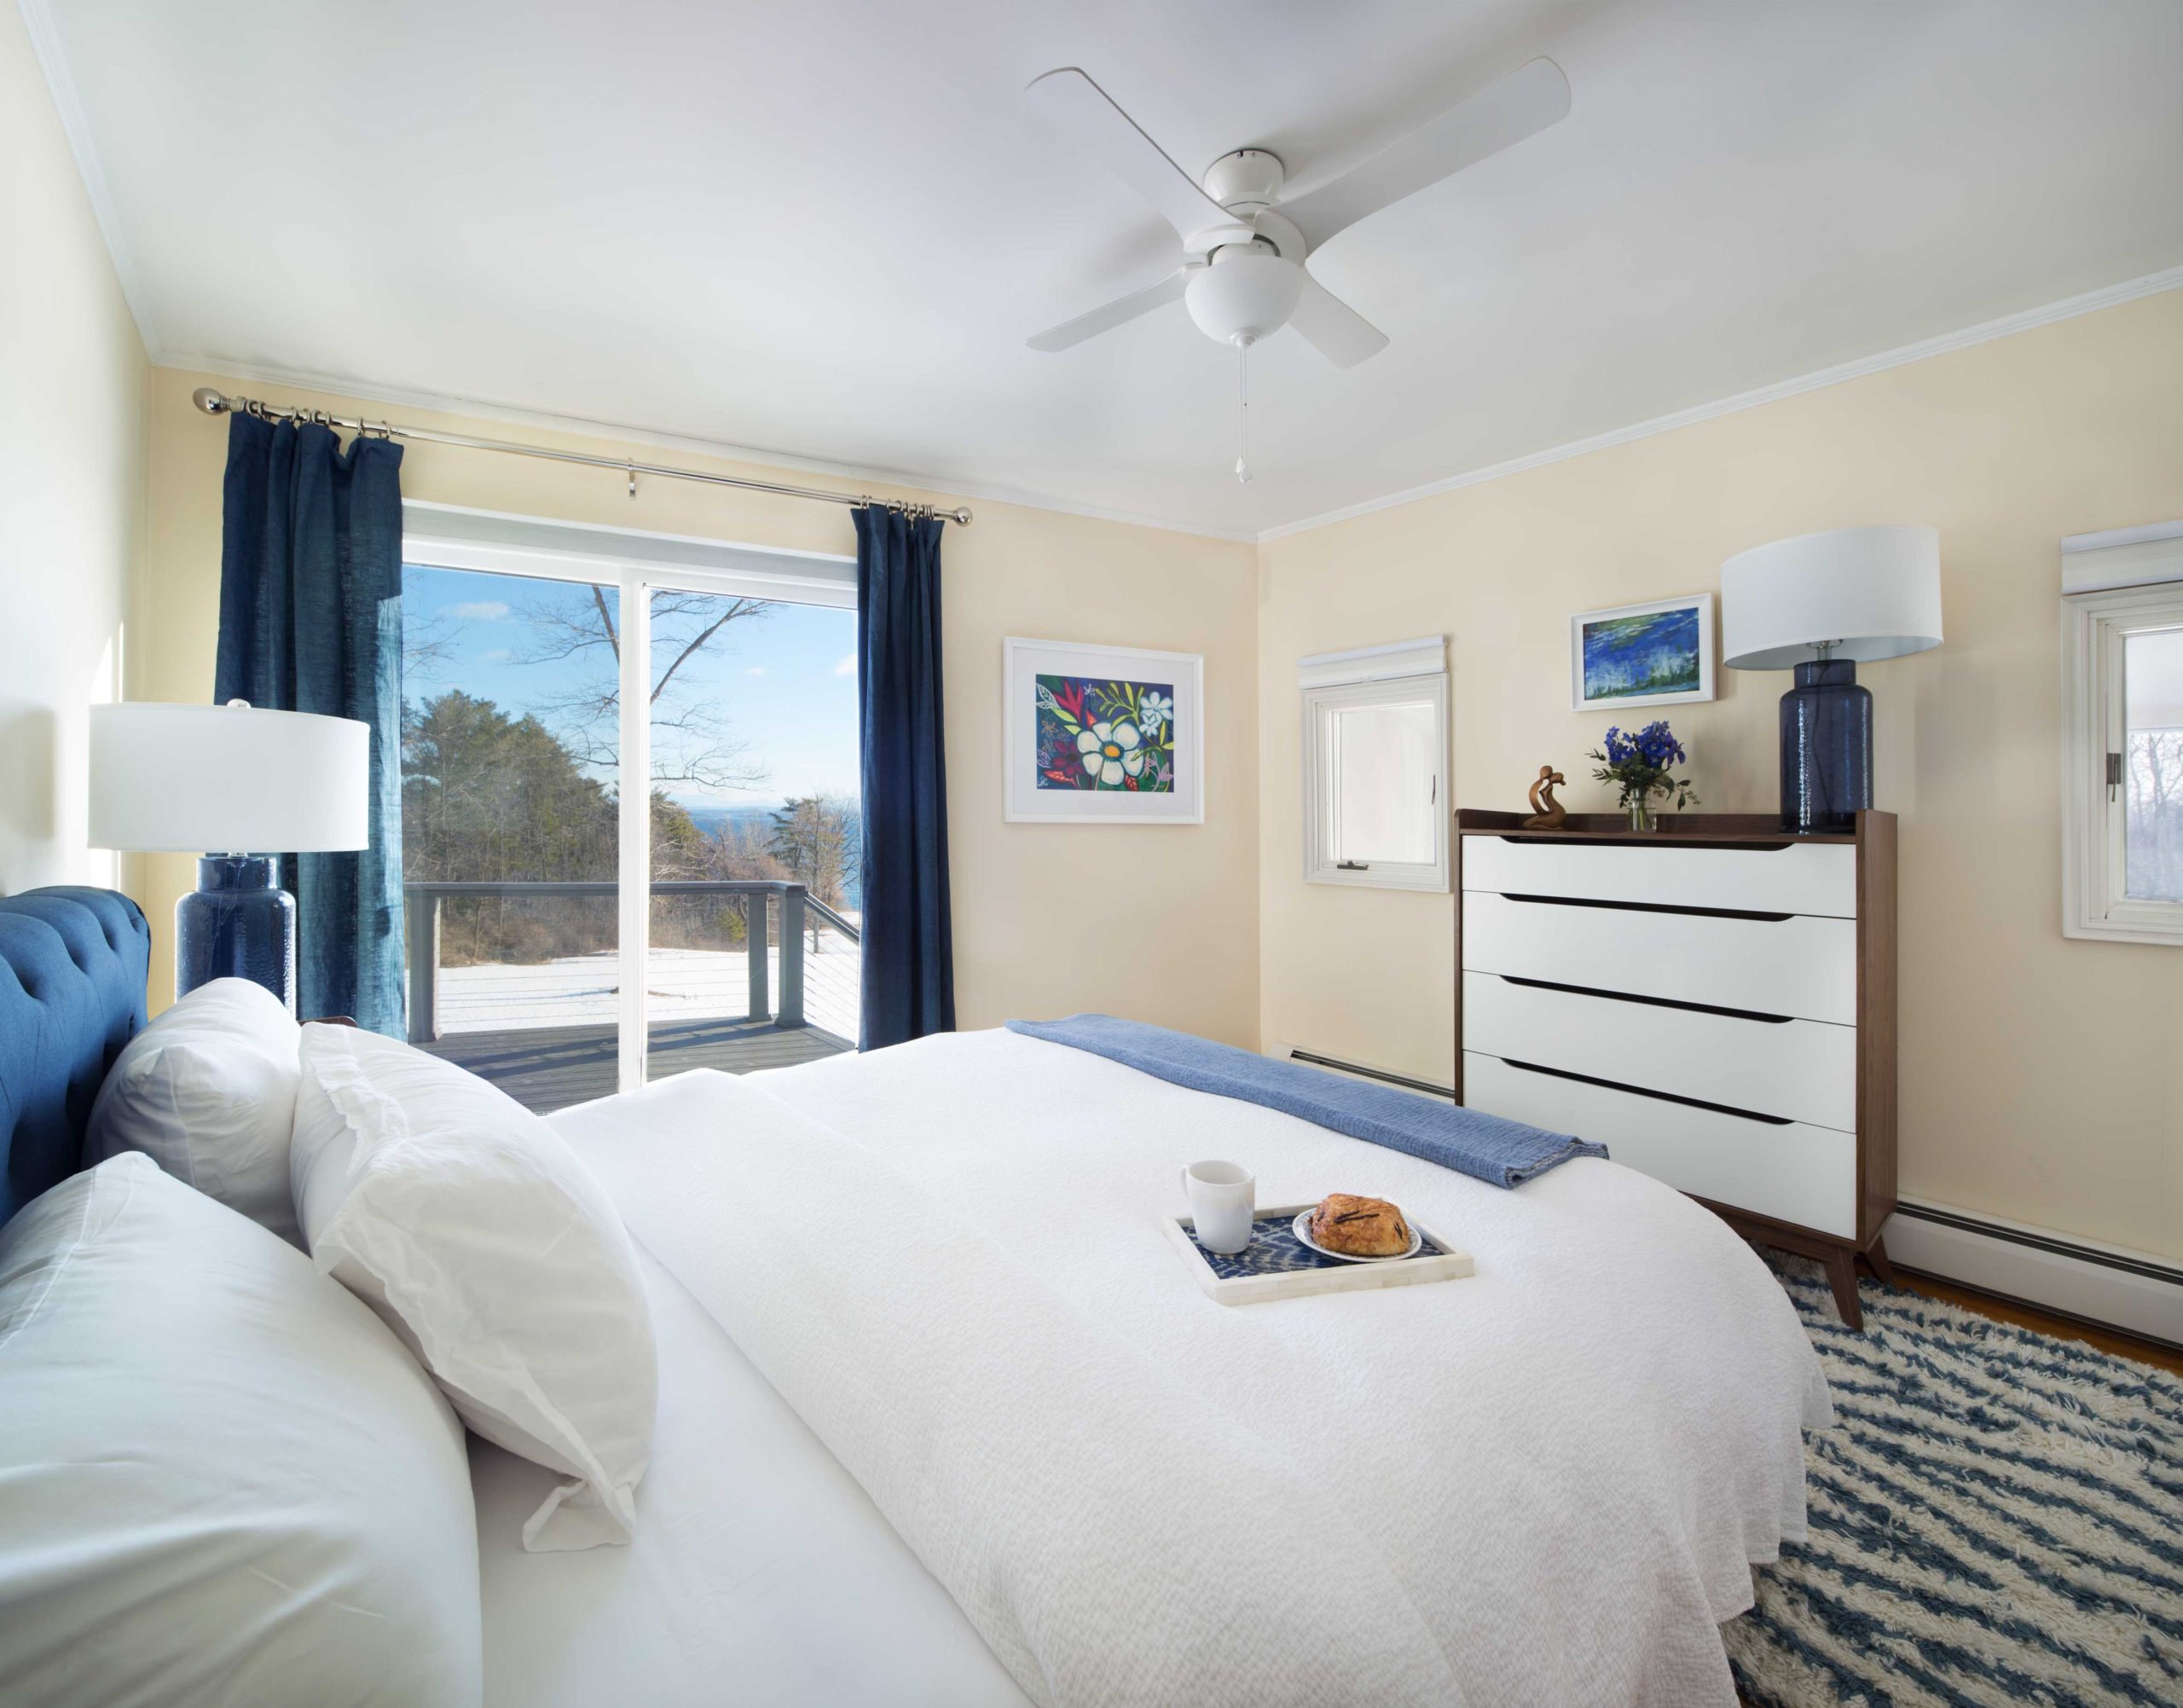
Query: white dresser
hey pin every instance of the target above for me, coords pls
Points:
(1715, 1003)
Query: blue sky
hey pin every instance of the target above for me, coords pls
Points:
(785, 680)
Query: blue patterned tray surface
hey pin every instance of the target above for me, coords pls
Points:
(1275, 1250)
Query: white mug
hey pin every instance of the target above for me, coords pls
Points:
(1222, 1196)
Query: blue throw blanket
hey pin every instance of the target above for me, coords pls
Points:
(1502, 1153)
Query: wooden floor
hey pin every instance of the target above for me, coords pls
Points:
(549, 1068)
(2031, 1317)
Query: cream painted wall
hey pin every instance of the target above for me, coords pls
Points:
(2042, 1079)
(1040, 909)
(73, 377)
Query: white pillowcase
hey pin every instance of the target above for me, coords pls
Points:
(208, 1091)
(473, 1229)
(222, 1479)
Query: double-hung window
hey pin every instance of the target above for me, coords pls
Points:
(2122, 733)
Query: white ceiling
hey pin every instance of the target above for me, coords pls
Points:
(825, 229)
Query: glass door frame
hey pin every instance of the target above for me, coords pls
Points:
(646, 564)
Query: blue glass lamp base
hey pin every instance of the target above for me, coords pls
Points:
(1826, 747)
(238, 924)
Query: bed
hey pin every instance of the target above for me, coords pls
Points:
(942, 1418)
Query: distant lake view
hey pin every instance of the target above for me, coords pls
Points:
(757, 819)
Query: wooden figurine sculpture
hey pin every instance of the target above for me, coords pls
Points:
(1550, 811)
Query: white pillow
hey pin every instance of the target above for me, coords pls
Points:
(222, 1479)
(208, 1091)
(466, 1222)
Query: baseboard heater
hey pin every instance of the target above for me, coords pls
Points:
(2106, 1287)
(1356, 1070)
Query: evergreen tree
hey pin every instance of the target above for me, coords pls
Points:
(815, 838)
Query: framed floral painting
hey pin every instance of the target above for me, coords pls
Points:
(1103, 735)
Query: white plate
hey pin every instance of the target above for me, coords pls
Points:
(1302, 1228)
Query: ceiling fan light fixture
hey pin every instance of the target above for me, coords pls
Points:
(1246, 293)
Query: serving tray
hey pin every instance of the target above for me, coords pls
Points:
(1276, 1265)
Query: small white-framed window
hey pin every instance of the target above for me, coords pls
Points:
(2123, 733)
(1376, 745)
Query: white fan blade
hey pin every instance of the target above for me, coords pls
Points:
(1114, 314)
(1338, 333)
(1083, 111)
(1522, 104)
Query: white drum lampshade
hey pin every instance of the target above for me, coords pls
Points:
(1868, 593)
(240, 786)
(233, 778)
(1820, 605)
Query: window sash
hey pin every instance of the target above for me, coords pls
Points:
(1322, 783)
(2095, 629)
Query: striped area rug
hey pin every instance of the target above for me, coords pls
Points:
(1996, 1518)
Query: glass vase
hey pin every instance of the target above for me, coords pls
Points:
(1642, 818)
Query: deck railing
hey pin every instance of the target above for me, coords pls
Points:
(799, 912)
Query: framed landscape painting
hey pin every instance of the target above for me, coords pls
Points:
(1659, 654)
(1103, 735)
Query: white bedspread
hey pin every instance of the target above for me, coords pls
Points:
(1548, 1479)
(759, 1573)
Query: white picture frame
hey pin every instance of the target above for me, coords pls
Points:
(1031, 791)
(1587, 677)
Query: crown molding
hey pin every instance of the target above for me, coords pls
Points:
(60, 85)
(925, 485)
(2090, 301)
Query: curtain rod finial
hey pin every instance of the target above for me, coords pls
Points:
(210, 402)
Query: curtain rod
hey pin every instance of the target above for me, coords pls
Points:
(215, 403)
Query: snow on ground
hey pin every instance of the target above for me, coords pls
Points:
(679, 984)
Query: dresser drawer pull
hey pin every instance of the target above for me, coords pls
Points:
(1648, 907)
(1667, 843)
(1647, 1092)
(1651, 1001)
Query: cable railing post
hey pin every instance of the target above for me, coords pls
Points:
(791, 1012)
(754, 940)
(424, 918)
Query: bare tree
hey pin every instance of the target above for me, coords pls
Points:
(429, 642)
(2153, 813)
(691, 744)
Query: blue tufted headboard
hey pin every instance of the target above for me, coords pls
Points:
(72, 964)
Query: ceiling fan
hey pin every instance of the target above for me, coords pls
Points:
(1241, 274)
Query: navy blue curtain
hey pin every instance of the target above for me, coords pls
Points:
(909, 962)
(311, 621)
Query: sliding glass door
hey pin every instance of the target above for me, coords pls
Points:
(752, 957)
(571, 931)
(511, 836)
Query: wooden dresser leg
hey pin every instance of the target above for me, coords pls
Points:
(1842, 1271)
(1883, 1270)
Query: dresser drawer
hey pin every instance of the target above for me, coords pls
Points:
(1800, 966)
(1796, 1173)
(1805, 1070)
(1805, 877)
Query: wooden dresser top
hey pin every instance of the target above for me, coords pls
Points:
(1688, 827)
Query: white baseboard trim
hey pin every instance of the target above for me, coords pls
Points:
(2109, 1285)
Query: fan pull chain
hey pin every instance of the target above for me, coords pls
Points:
(1243, 408)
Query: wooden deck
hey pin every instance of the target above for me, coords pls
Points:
(549, 1068)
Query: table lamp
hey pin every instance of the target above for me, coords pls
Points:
(176, 779)
(1820, 604)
